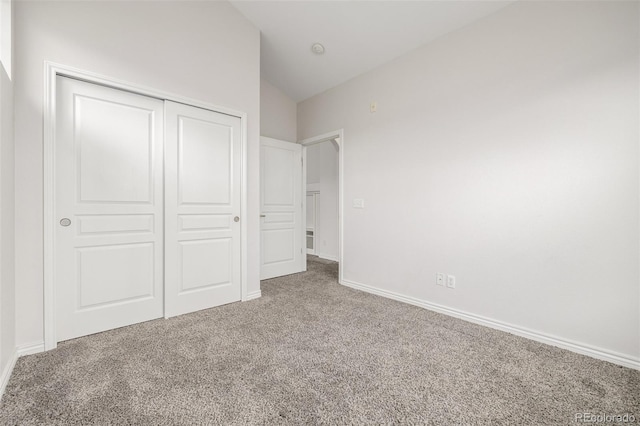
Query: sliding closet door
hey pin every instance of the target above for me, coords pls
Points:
(108, 208)
(202, 216)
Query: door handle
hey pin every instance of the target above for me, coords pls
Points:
(65, 221)
(263, 215)
(236, 219)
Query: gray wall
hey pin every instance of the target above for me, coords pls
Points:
(7, 279)
(277, 113)
(506, 154)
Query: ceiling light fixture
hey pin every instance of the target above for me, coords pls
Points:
(317, 48)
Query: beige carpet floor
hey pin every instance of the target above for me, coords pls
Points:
(312, 352)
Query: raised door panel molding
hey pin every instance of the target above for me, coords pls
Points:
(114, 156)
(204, 169)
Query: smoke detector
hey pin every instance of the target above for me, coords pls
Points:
(317, 48)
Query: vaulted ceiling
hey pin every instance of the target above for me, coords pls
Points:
(358, 36)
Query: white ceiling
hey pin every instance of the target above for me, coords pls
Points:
(358, 36)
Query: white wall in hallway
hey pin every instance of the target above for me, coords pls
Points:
(6, 35)
(201, 50)
(322, 175)
(506, 154)
(278, 113)
(7, 199)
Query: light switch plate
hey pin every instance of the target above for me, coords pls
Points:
(451, 281)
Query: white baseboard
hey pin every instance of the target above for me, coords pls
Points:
(33, 348)
(253, 295)
(584, 349)
(6, 372)
(327, 257)
(30, 349)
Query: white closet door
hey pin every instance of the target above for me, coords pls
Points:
(202, 209)
(108, 208)
(281, 204)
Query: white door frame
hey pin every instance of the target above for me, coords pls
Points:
(53, 70)
(338, 137)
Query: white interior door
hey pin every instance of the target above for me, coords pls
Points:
(108, 208)
(281, 204)
(202, 213)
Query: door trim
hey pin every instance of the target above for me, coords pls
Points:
(338, 137)
(51, 72)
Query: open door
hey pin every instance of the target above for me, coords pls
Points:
(281, 204)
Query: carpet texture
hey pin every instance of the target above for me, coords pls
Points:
(312, 352)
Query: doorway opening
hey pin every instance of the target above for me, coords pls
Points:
(322, 184)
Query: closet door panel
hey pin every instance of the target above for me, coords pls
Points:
(108, 219)
(202, 222)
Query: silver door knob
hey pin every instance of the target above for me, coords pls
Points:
(65, 221)
(236, 219)
(263, 215)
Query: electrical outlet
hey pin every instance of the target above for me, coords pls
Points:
(440, 279)
(451, 281)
